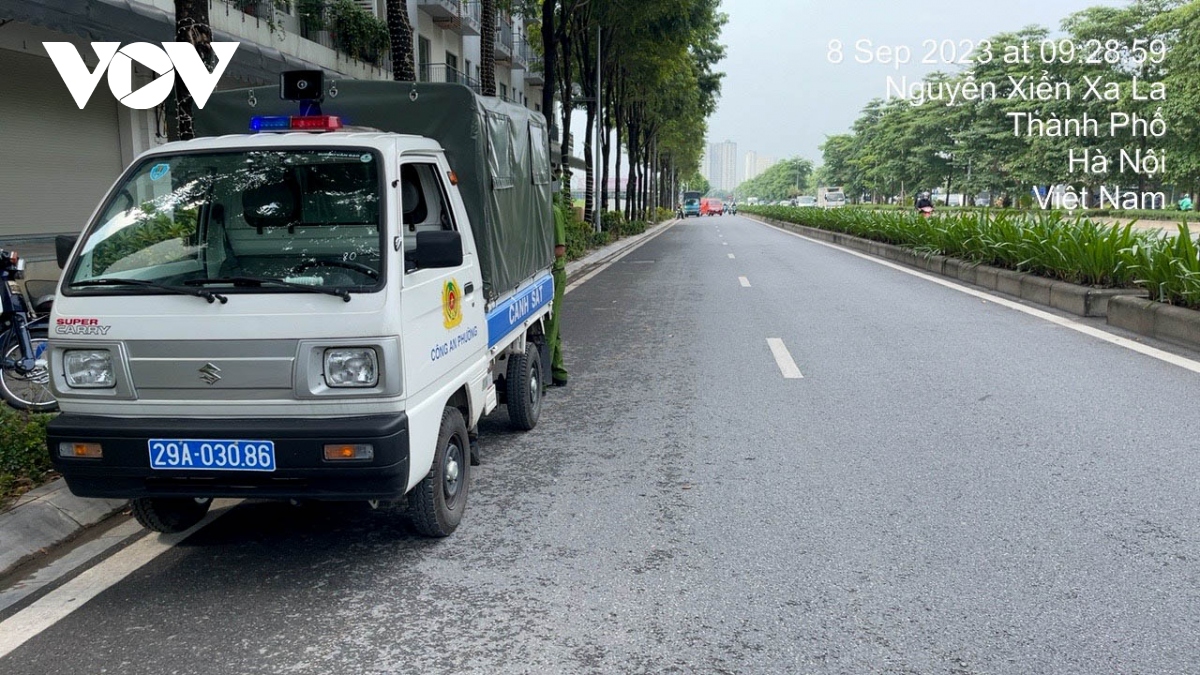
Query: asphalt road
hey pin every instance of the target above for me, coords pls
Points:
(951, 487)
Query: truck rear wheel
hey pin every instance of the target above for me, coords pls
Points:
(523, 385)
(436, 505)
(169, 515)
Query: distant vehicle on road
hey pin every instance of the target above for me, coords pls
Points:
(806, 201)
(830, 197)
(711, 206)
(691, 204)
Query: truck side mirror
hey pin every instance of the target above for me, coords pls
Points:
(439, 248)
(63, 244)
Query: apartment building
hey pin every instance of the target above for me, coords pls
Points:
(56, 160)
(755, 165)
(723, 166)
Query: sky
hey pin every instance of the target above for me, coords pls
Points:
(781, 97)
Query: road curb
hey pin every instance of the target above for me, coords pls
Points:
(46, 517)
(1125, 308)
(1156, 319)
(602, 255)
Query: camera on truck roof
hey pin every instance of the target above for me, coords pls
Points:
(302, 85)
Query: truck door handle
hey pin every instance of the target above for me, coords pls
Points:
(469, 288)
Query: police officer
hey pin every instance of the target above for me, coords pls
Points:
(558, 371)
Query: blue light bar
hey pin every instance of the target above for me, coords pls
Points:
(271, 123)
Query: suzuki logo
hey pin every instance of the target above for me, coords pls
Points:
(210, 373)
(173, 57)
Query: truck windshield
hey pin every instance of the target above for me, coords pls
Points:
(307, 217)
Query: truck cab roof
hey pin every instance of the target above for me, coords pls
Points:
(376, 139)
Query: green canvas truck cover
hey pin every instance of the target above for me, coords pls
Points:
(500, 152)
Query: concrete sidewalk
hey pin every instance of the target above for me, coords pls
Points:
(46, 517)
(51, 515)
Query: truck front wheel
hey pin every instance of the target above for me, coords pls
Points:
(523, 384)
(169, 515)
(436, 505)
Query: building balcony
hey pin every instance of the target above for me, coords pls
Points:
(347, 30)
(440, 72)
(453, 15)
(504, 43)
(533, 64)
(470, 15)
(520, 55)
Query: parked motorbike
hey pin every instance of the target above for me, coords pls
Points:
(24, 342)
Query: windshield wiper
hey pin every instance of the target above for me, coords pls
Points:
(120, 281)
(259, 281)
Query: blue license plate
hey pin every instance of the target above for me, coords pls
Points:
(211, 455)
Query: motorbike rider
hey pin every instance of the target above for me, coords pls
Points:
(924, 202)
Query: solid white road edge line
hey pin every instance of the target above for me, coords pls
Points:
(26, 624)
(77, 558)
(584, 279)
(783, 358)
(1167, 357)
(744, 282)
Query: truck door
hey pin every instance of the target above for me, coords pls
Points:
(442, 308)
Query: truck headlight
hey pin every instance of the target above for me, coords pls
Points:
(351, 367)
(88, 368)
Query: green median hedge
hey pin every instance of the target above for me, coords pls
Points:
(583, 237)
(24, 461)
(1048, 244)
(1167, 215)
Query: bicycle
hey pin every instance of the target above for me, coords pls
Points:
(24, 342)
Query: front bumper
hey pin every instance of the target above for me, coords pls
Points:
(301, 470)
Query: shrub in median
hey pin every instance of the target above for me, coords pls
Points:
(1170, 270)
(1048, 244)
(24, 461)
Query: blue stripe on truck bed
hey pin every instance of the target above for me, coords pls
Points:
(511, 313)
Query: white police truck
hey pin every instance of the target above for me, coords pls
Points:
(314, 307)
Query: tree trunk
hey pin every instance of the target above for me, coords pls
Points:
(487, 47)
(191, 26)
(400, 34)
(646, 178)
(618, 206)
(631, 182)
(549, 65)
(563, 52)
(584, 52)
(605, 146)
(587, 75)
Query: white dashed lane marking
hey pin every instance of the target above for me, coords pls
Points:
(783, 358)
